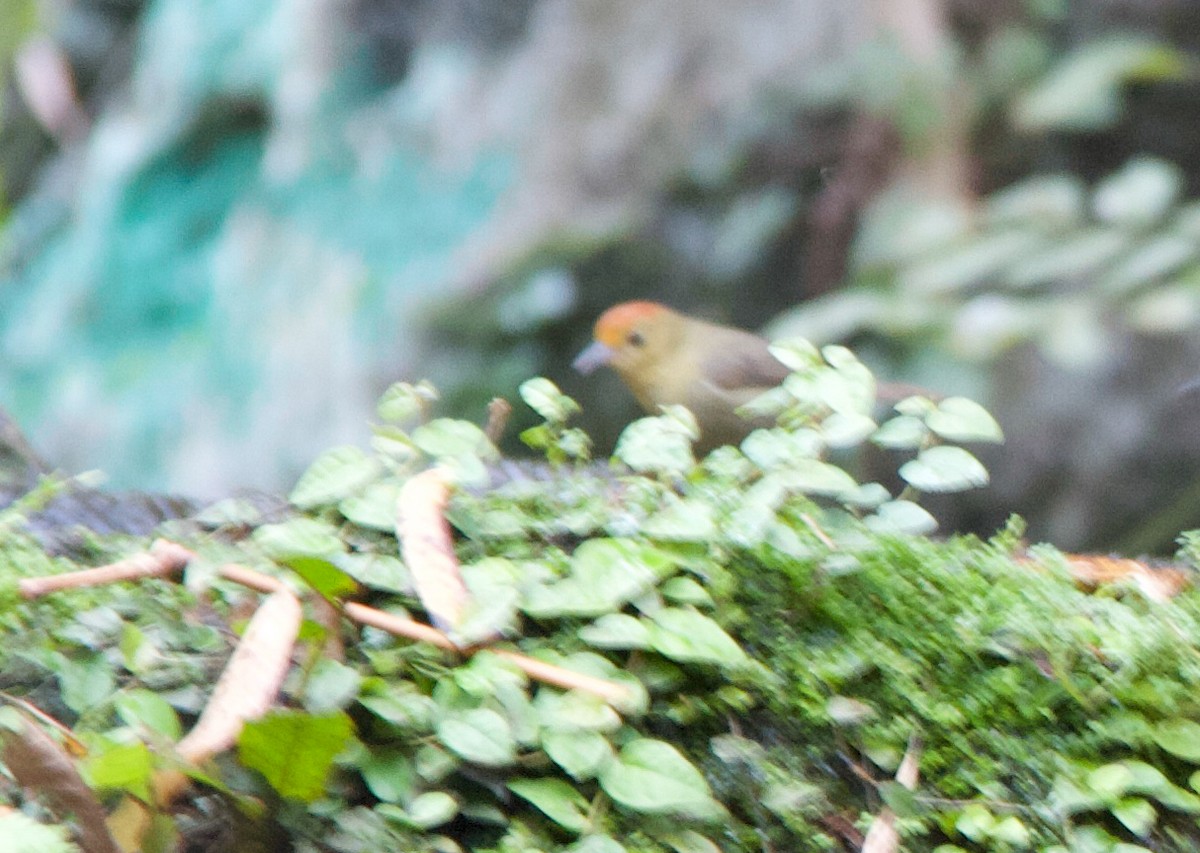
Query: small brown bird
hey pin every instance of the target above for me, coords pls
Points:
(668, 358)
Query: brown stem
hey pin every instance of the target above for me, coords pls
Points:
(164, 558)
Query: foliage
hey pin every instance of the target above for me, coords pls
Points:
(784, 630)
(1046, 261)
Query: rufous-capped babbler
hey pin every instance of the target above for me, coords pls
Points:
(667, 358)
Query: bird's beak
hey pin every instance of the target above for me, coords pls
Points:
(595, 355)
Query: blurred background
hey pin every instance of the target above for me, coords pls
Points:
(226, 227)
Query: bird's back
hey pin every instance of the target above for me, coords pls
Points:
(736, 367)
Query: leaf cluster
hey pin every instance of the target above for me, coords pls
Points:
(1048, 261)
(784, 633)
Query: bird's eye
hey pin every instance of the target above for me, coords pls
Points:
(635, 339)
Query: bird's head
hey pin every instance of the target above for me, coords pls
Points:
(630, 337)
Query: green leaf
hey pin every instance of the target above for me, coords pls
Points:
(683, 590)
(605, 574)
(335, 474)
(120, 767)
(444, 438)
(661, 444)
(230, 512)
(775, 448)
(323, 576)
(575, 711)
(146, 709)
(1110, 781)
(1056, 200)
(749, 524)
(968, 265)
(481, 736)
(1140, 194)
(373, 507)
(651, 776)
(796, 354)
(402, 402)
(1181, 738)
(975, 822)
(846, 429)
(616, 631)
(488, 675)
(85, 682)
(848, 389)
(902, 516)
(1011, 830)
(294, 751)
(899, 799)
(847, 364)
(1166, 309)
(298, 537)
(544, 397)
(685, 520)
(960, 419)
(431, 809)
(768, 405)
(944, 469)
(1083, 91)
(491, 610)
(330, 686)
(389, 774)
(556, 799)
(377, 571)
(813, 477)
(1145, 778)
(582, 754)
(1137, 815)
(687, 635)
(433, 764)
(916, 406)
(1083, 253)
(1177, 799)
(904, 432)
(394, 444)
(1068, 798)
(1153, 260)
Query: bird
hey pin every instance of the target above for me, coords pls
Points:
(668, 358)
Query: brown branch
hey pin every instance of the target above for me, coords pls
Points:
(250, 578)
(567, 679)
(168, 557)
(164, 558)
(398, 626)
(498, 412)
(538, 670)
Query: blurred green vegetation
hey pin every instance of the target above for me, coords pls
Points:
(783, 631)
(276, 211)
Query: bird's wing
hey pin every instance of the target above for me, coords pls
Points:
(742, 362)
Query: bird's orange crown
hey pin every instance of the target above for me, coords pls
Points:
(614, 324)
